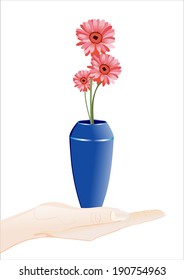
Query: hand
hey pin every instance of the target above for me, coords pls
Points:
(63, 221)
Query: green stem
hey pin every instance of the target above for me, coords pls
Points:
(91, 93)
(86, 104)
(92, 105)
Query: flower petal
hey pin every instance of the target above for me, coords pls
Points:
(105, 68)
(104, 41)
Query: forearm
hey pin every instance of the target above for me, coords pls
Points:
(17, 229)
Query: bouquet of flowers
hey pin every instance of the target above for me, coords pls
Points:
(95, 38)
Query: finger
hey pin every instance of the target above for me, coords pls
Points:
(103, 215)
(144, 216)
(92, 232)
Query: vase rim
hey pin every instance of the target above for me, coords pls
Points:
(96, 122)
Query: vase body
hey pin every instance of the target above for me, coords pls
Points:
(91, 148)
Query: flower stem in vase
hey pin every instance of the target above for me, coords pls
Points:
(93, 99)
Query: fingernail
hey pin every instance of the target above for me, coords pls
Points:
(118, 215)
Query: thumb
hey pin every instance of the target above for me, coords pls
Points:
(99, 215)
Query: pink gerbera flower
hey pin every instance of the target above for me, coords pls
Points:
(82, 80)
(95, 36)
(105, 68)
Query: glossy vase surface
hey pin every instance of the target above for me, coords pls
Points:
(91, 149)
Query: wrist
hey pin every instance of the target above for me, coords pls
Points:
(18, 229)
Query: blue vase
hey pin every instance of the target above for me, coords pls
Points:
(91, 148)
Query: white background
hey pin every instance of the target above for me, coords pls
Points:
(144, 109)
